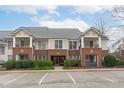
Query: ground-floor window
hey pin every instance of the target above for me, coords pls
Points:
(42, 57)
(74, 57)
(9, 57)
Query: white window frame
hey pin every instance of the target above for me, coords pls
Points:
(72, 42)
(58, 45)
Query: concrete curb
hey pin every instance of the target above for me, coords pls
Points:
(62, 70)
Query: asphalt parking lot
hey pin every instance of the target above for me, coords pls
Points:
(94, 79)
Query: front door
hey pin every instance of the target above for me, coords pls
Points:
(58, 60)
(91, 60)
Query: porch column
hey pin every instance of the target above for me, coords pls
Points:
(30, 41)
(14, 41)
(99, 38)
(82, 42)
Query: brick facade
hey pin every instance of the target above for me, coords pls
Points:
(57, 52)
(91, 51)
(18, 51)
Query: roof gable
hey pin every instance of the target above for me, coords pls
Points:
(93, 32)
(21, 32)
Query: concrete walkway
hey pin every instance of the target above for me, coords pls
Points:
(60, 69)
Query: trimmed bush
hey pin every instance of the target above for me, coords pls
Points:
(10, 64)
(26, 63)
(43, 65)
(120, 62)
(18, 64)
(110, 61)
(72, 63)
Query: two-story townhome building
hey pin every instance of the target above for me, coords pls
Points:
(55, 44)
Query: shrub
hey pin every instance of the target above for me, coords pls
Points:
(26, 63)
(9, 64)
(71, 63)
(120, 62)
(18, 64)
(110, 61)
(43, 65)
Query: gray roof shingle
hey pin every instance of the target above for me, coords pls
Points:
(5, 34)
(44, 32)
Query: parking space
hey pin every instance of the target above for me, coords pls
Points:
(63, 79)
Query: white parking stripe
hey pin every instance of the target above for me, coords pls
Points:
(42, 78)
(8, 82)
(105, 78)
(71, 77)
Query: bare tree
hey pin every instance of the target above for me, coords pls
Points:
(118, 15)
(102, 26)
(118, 12)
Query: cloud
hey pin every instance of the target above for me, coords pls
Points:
(67, 23)
(29, 9)
(91, 9)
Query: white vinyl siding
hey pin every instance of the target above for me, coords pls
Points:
(9, 44)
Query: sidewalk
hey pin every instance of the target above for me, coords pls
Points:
(64, 70)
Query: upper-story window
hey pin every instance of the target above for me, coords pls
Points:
(9, 44)
(91, 43)
(58, 43)
(72, 44)
(42, 45)
(2, 49)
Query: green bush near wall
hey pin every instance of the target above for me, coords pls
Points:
(26, 64)
(120, 62)
(110, 61)
(10, 64)
(18, 64)
(43, 65)
(72, 63)
(36, 65)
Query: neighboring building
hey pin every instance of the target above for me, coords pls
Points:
(56, 44)
(119, 48)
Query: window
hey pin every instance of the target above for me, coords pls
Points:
(41, 45)
(9, 57)
(74, 57)
(2, 50)
(9, 44)
(72, 44)
(58, 43)
(42, 57)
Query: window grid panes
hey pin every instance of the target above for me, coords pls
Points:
(72, 44)
(58, 44)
